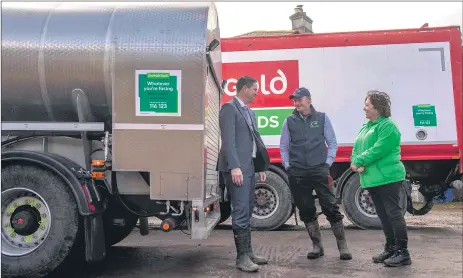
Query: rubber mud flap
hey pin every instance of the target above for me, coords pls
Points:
(95, 247)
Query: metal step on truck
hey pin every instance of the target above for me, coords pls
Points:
(421, 69)
(109, 115)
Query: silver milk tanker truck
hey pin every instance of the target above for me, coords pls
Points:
(109, 115)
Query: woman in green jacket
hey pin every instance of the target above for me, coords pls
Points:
(376, 157)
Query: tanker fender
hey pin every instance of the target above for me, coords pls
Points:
(89, 202)
(85, 193)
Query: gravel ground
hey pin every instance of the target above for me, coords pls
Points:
(435, 242)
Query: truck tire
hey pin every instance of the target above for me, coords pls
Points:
(359, 207)
(225, 211)
(125, 222)
(40, 221)
(273, 203)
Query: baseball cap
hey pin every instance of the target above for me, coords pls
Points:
(300, 92)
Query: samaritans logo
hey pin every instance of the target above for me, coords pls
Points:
(270, 121)
(157, 75)
(424, 115)
(158, 93)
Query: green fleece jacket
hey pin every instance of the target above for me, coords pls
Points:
(377, 149)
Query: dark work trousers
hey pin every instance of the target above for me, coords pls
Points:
(302, 182)
(242, 199)
(389, 209)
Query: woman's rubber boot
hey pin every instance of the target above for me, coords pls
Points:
(401, 257)
(317, 247)
(338, 230)
(254, 258)
(386, 254)
(243, 262)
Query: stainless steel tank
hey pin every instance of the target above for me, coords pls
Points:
(51, 49)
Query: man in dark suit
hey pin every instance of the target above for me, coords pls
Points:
(242, 154)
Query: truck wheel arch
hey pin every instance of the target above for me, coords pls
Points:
(57, 164)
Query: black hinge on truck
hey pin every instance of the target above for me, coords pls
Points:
(89, 201)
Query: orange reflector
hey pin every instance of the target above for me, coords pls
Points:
(97, 162)
(165, 226)
(98, 175)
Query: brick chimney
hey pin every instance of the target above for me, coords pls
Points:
(300, 21)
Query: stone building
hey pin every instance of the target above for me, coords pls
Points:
(301, 24)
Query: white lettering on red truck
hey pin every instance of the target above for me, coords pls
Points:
(277, 80)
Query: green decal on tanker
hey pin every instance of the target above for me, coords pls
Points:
(158, 92)
(424, 115)
(270, 121)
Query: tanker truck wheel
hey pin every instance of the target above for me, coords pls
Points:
(272, 203)
(118, 222)
(40, 221)
(358, 205)
(225, 212)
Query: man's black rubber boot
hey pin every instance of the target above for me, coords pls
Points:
(254, 258)
(314, 232)
(401, 257)
(386, 254)
(243, 262)
(338, 230)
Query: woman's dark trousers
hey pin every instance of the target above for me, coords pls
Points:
(389, 209)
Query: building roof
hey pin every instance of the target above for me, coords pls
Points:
(268, 33)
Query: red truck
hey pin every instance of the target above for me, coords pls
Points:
(421, 69)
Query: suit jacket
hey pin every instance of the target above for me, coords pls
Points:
(237, 143)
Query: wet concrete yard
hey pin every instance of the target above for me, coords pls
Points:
(435, 246)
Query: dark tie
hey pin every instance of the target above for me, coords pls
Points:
(248, 116)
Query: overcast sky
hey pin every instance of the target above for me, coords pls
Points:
(236, 18)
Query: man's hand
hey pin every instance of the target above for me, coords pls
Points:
(360, 169)
(237, 176)
(262, 176)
